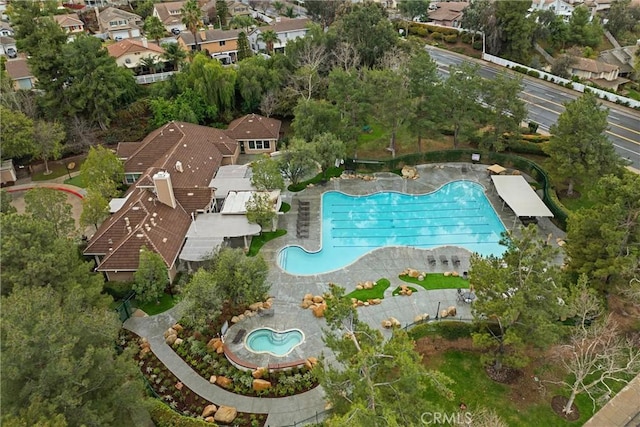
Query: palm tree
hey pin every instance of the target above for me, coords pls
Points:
(192, 18)
(150, 62)
(242, 21)
(154, 29)
(174, 54)
(269, 37)
(290, 13)
(278, 6)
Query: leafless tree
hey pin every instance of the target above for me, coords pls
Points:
(594, 358)
(584, 303)
(632, 292)
(394, 59)
(306, 79)
(269, 103)
(346, 56)
(80, 134)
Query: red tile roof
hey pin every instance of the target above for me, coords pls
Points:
(254, 126)
(126, 46)
(18, 69)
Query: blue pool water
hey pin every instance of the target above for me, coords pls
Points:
(276, 343)
(457, 214)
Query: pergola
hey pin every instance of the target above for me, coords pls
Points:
(516, 192)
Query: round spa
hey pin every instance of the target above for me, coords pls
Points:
(275, 343)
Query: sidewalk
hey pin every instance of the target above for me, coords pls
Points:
(623, 410)
(282, 411)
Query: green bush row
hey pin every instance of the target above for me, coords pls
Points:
(164, 416)
(331, 172)
(449, 330)
(452, 38)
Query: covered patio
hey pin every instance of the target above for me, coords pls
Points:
(516, 192)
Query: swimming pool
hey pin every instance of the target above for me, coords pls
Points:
(276, 343)
(457, 214)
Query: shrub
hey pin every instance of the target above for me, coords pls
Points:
(418, 30)
(118, 290)
(534, 73)
(545, 77)
(477, 45)
(163, 416)
(533, 127)
(466, 38)
(452, 38)
(525, 147)
(436, 36)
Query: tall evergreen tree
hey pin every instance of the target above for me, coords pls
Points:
(244, 51)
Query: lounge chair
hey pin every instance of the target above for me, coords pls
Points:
(239, 336)
(431, 259)
(460, 297)
(455, 259)
(443, 259)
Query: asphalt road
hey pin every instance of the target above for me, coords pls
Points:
(545, 103)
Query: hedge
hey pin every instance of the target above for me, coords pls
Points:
(436, 36)
(163, 416)
(449, 330)
(477, 45)
(452, 38)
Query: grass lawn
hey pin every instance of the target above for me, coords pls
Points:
(76, 180)
(437, 281)
(151, 308)
(258, 241)
(517, 408)
(366, 294)
(633, 94)
(57, 169)
(396, 291)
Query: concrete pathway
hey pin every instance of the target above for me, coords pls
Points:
(282, 411)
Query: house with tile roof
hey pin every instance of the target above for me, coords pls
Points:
(5, 29)
(119, 24)
(219, 44)
(170, 14)
(19, 72)
(255, 133)
(128, 53)
(70, 23)
(286, 29)
(171, 170)
(448, 14)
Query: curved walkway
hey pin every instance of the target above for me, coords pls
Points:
(282, 411)
(55, 184)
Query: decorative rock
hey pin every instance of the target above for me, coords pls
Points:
(170, 331)
(217, 343)
(210, 419)
(251, 314)
(179, 385)
(259, 372)
(360, 303)
(318, 299)
(318, 311)
(223, 382)
(266, 305)
(308, 296)
(444, 313)
(225, 415)
(177, 327)
(247, 313)
(376, 301)
(312, 360)
(220, 350)
(259, 384)
(421, 277)
(414, 273)
(409, 292)
(240, 317)
(235, 319)
(145, 350)
(171, 339)
(213, 379)
(455, 274)
(451, 311)
(255, 306)
(387, 324)
(447, 273)
(366, 303)
(209, 410)
(177, 342)
(306, 303)
(394, 322)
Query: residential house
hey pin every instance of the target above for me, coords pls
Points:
(448, 14)
(171, 15)
(70, 23)
(255, 133)
(562, 8)
(18, 70)
(5, 29)
(597, 72)
(236, 8)
(220, 44)
(128, 53)
(119, 24)
(3, 10)
(286, 29)
(172, 168)
(8, 47)
(622, 57)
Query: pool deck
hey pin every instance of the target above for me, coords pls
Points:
(289, 290)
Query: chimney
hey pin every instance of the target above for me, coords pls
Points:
(164, 189)
(203, 35)
(145, 44)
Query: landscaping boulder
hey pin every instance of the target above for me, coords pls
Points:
(318, 299)
(210, 419)
(308, 296)
(376, 301)
(447, 273)
(171, 339)
(209, 410)
(414, 273)
(179, 385)
(455, 274)
(359, 287)
(318, 310)
(394, 322)
(177, 327)
(306, 303)
(220, 349)
(235, 319)
(177, 342)
(387, 324)
(451, 311)
(170, 331)
(255, 306)
(444, 313)
(224, 382)
(260, 384)
(225, 415)
(259, 372)
(213, 379)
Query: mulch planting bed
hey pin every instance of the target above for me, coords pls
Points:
(558, 402)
